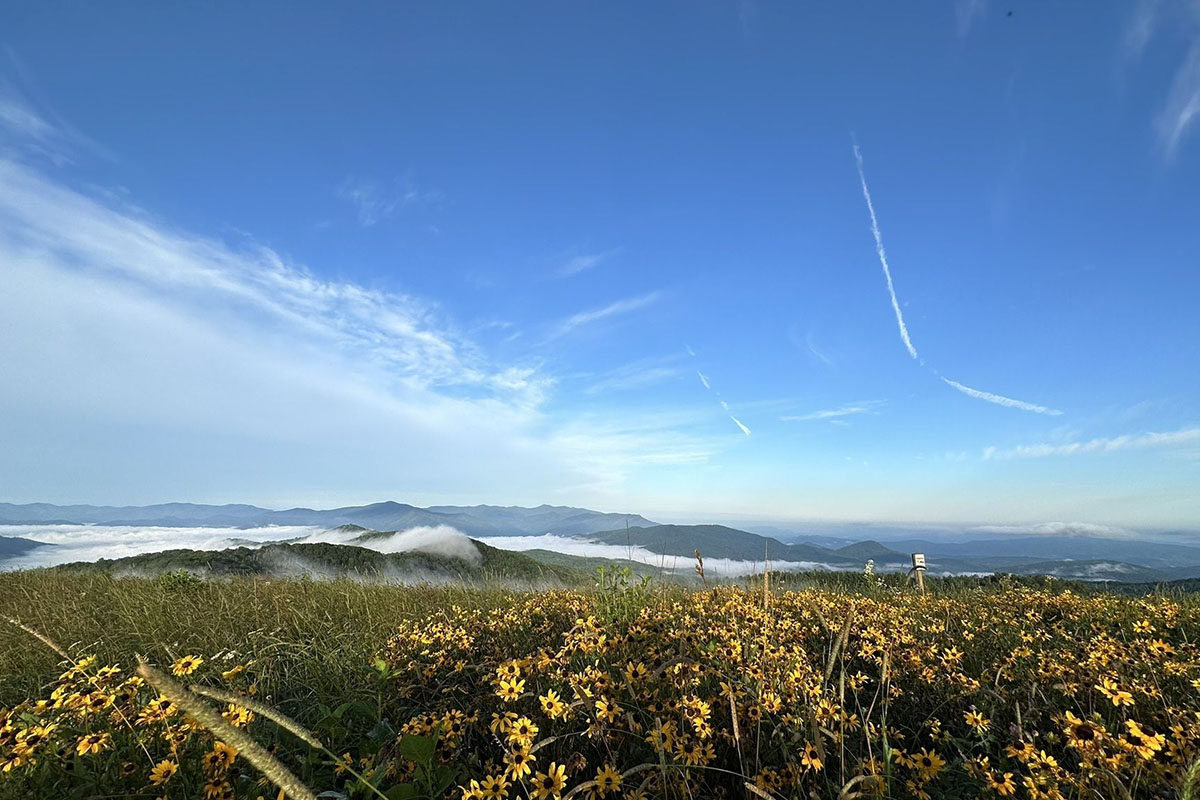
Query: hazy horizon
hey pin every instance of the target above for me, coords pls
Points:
(795, 525)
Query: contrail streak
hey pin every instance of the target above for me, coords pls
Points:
(708, 385)
(887, 272)
(1001, 400)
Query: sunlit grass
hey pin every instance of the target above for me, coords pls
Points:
(629, 690)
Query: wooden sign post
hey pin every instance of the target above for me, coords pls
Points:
(918, 570)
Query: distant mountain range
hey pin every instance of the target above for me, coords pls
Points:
(387, 516)
(576, 540)
(719, 541)
(1072, 557)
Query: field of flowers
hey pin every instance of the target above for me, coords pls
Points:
(629, 692)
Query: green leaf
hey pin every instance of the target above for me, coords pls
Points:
(418, 748)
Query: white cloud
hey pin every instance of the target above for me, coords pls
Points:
(1183, 438)
(1058, 529)
(26, 132)
(374, 202)
(1141, 27)
(44, 222)
(17, 118)
(584, 261)
(609, 449)
(967, 13)
(741, 427)
(637, 375)
(724, 567)
(1180, 19)
(704, 379)
(156, 361)
(868, 407)
(73, 543)
(1182, 106)
(441, 540)
(617, 308)
(887, 272)
(816, 352)
(1001, 400)
(93, 542)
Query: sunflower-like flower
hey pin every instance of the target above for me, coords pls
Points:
(519, 763)
(553, 705)
(93, 743)
(551, 782)
(522, 732)
(1119, 697)
(510, 690)
(162, 772)
(494, 787)
(186, 665)
(608, 780)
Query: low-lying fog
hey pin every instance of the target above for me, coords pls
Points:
(72, 543)
(724, 567)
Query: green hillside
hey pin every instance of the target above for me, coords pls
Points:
(339, 560)
(720, 541)
(589, 564)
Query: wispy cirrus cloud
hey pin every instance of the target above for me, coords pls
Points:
(614, 309)
(816, 352)
(967, 13)
(125, 333)
(854, 409)
(635, 375)
(1001, 400)
(583, 262)
(607, 450)
(400, 332)
(375, 202)
(26, 130)
(1182, 106)
(1140, 27)
(1180, 19)
(1178, 439)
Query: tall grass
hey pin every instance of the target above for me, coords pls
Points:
(312, 640)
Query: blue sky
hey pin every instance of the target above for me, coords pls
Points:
(606, 254)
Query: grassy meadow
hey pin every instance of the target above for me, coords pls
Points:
(625, 689)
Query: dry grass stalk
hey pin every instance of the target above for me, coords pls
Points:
(838, 645)
(41, 638)
(214, 723)
(278, 717)
(757, 792)
(46, 640)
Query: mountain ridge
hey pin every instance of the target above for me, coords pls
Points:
(481, 520)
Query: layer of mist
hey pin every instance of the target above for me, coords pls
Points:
(88, 543)
(717, 567)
